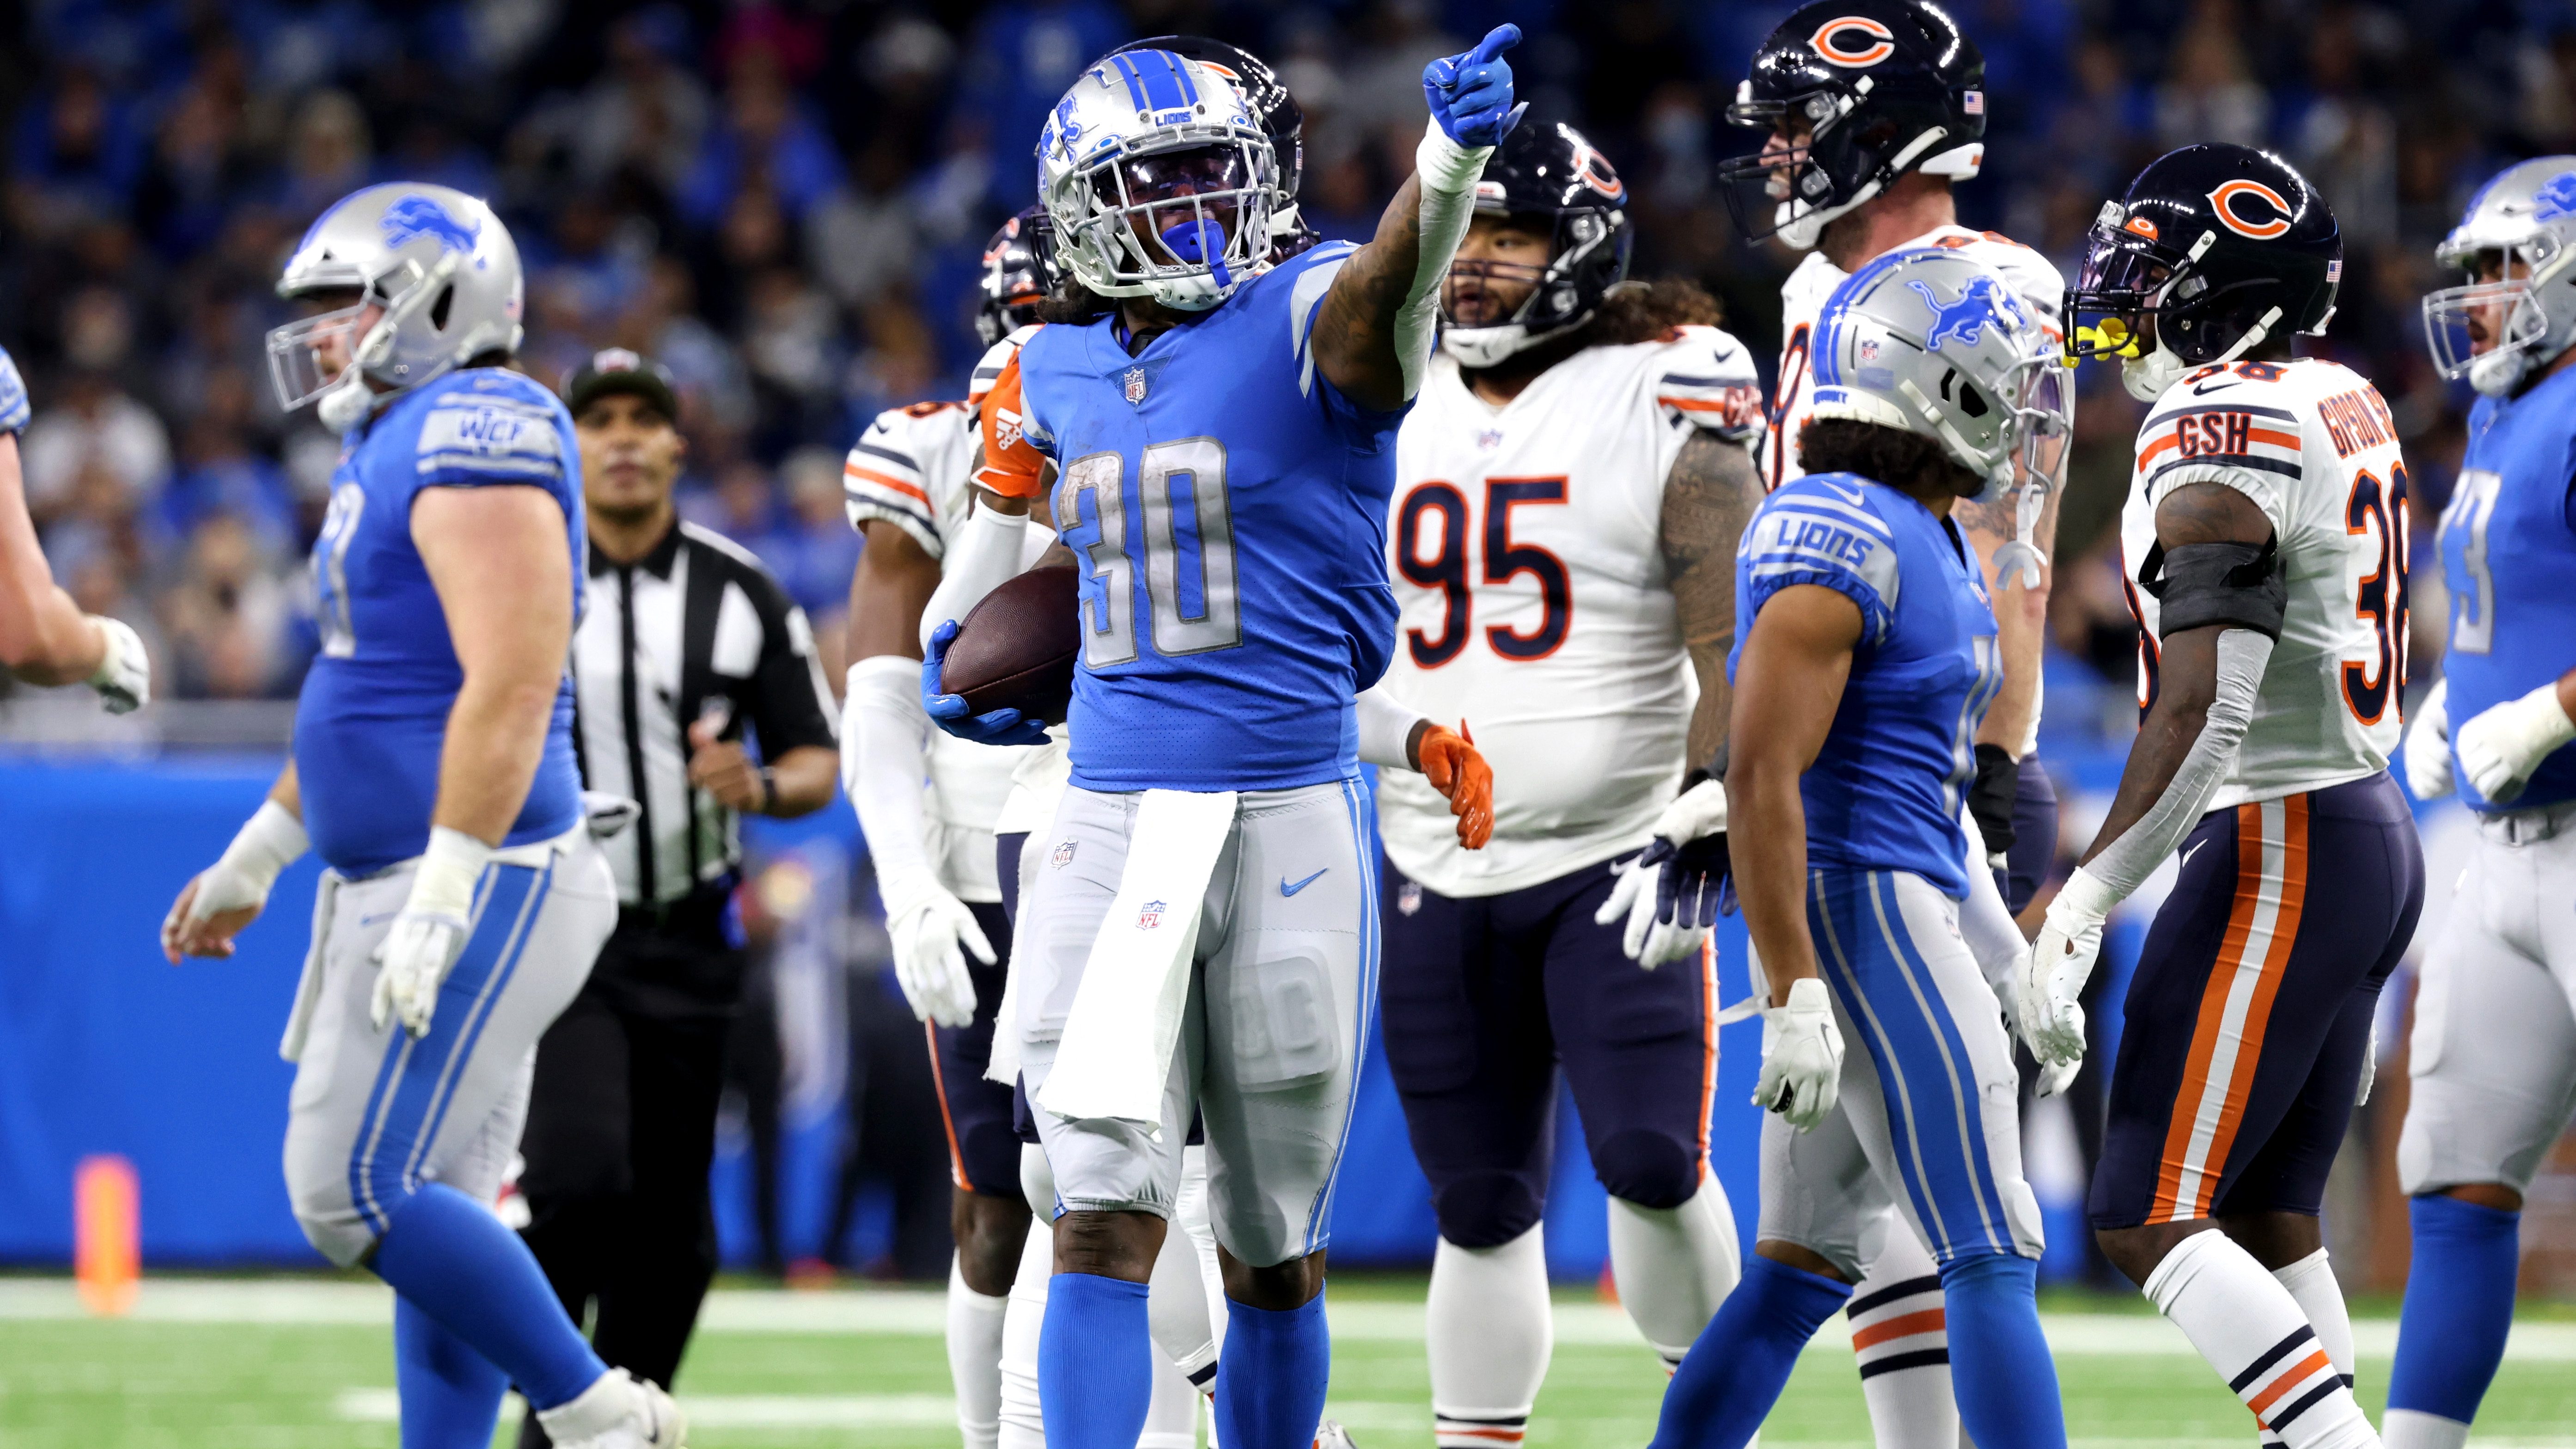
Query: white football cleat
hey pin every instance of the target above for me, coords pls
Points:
(620, 1411)
(1329, 1435)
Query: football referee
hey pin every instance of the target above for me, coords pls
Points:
(688, 645)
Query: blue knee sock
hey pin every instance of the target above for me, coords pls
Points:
(451, 1395)
(1271, 1374)
(1734, 1374)
(2459, 1306)
(1095, 1362)
(2000, 1368)
(452, 1258)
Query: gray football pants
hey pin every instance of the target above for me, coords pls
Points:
(1271, 1045)
(377, 1114)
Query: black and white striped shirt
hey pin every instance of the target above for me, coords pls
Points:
(695, 629)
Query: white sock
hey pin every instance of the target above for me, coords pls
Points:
(1490, 1332)
(975, 1358)
(2311, 1282)
(2415, 1429)
(1022, 1426)
(2250, 1329)
(1190, 1220)
(1176, 1301)
(1172, 1417)
(1675, 1265)
(612, 1399)
(1901, 1337)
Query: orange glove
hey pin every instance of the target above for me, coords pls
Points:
(1451, 762)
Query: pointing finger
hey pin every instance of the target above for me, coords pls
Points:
(1497, 40)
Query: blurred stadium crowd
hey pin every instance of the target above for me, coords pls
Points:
(786, 203)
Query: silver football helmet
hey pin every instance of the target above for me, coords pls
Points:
(2521, 226)
(1160, 181)
(1930, 342)
(442, 274)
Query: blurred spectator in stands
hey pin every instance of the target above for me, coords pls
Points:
(860, 236)
(2209, 92)
(763, 129)
(92, 427)
(328, 151)
(1023, 56)
(77, 154)
(229, 617)
(220, 475)
(812, 547)
(200, 165)
(646, 111)
(2343, 137)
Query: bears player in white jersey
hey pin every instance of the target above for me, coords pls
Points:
(907, 481)
(1569, 488)
(2264, 542)
(1872, 110)
(434, 773)
(2494, 1059)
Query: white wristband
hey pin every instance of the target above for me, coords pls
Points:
(1385, 729)
(1444, 165)
(268, 842)
(449, 871)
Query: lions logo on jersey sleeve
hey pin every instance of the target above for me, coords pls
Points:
(1822, 530)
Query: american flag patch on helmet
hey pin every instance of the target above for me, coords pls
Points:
(2334, 271)
(1973, 103)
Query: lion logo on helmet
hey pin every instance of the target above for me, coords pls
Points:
(1982, 300)
(414, 217)
(2555, 198)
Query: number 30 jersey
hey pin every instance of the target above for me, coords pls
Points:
(1525, 545)
(2312, 444)
(2509, 557)
(1226, 508)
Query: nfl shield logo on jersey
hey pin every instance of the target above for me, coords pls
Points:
(1063, 855)
(1409, 899)
(1151, 917)
(1135, 385)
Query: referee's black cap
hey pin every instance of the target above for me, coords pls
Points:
(618, 369)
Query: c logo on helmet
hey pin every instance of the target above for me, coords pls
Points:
(1593, 169)
(2230, 193)
(1827, 44)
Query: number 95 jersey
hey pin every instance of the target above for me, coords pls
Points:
(1226, 508)
(2313, 446)
(1526, 548)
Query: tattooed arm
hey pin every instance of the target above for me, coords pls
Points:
(1354, 339)
(1710, 495)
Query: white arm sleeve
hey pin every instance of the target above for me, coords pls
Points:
(885, 745)
(1385, 728)
(2108, 878)
(984, 556)
(1448, 172)
(1985, 922)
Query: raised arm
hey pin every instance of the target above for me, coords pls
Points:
(1372, 337)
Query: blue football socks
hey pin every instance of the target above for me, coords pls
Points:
(454, 1261)
(1271, 1376)
(451, 1395)
(1732, 1376)
(2459, 1306)
(1095, 1362)
(2000, 1368)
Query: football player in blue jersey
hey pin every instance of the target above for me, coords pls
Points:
(44, 636)
(1863, 666)
(2494, 1059)
(433, 773)
(1221, 431)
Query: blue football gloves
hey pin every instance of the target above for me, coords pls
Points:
(949, 712)
(1470, 95)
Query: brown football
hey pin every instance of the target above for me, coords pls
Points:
(1015, 649)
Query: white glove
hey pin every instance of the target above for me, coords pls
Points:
(240, 878)
(2428, 745)
(1649, 942)
(1802, 1056)
(2061, 961)
(932, 932)
(123, 678)
(429, 933)
(2055, 1077)
(2502, 746)
(2369, 1066)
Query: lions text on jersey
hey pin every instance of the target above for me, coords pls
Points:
(914, 468)
(1234, 588)
(2509, 559)
(373, 714)
(2312, 444)
(1529, 575)
(1885, 792)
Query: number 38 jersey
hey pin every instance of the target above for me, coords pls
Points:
(1525, 546)
(2312, 444)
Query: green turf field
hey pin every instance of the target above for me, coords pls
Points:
(306, 1364)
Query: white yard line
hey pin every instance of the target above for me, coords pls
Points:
(920, 1314)
(732, 1411)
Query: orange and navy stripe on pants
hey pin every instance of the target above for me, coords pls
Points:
(2236, 1006)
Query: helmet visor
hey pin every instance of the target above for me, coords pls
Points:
(2462, 324)
(2119, 285)
(2042, 399)
(1172, 197)
(306, 357)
